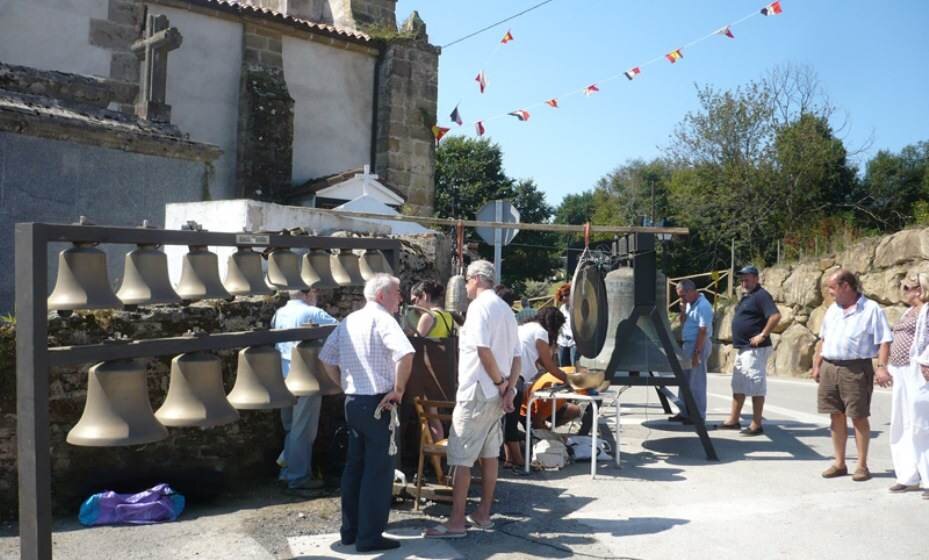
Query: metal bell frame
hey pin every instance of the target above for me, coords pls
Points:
(32, 242)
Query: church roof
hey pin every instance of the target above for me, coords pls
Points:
(314, 186)
(273, 15)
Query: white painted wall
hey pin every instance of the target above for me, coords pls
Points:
(52, 35)
(203, 86)
(333, 91)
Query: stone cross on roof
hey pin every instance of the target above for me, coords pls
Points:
(153, 49)
(366, 177)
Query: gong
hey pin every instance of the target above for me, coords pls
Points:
(588, 309)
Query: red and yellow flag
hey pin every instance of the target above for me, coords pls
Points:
(674, 56)
(438, 132)
(507, 37)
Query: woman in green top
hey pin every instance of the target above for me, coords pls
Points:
(436, 323)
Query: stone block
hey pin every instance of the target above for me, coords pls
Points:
(894, 312)
(815, 322)
(722, 357)
(126, 12)
(794, 354)
(787, 318)
(252, 56)
(858, 257)
(269, 58)
(275, 44)
(253, 41)
(773, 279)
(884, 286)
(124, 67)
(802, 286)
(723, 323)
(901, 247)
(113, 36)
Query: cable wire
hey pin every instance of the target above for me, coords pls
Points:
(492, 25)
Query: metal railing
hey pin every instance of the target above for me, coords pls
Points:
(717, 277)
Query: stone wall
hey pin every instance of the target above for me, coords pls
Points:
(802, 297)
(198, 462)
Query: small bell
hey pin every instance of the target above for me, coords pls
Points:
(195, 394)
(284, 270)
(259, 382)
(305, 368)
(145, 278)
(316, 271)
(200, 276)
(345, 268)
(373, 262)
(117, 410)
(243, 274)
(82, 281)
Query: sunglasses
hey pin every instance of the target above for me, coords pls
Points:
(908, 287)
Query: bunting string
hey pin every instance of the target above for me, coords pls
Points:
(523, 113)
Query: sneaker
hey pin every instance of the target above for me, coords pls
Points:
(861, 474)
(834, 471)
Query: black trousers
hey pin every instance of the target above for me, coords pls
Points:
(512, 420)
(367, 481)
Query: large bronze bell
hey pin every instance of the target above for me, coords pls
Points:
(305, 368)
(145, 278)
(456, 294)
(316, 271)
(200, 276)
(117, 410)
(259, 382)
(373, 262)
(243, 274)
(82, 281)
(284, 270)
(345, 268)
(195, 395)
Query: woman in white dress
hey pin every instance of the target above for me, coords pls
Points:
(909, 417)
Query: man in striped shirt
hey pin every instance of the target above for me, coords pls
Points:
(370, 357)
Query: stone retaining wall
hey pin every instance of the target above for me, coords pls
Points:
(800, 293)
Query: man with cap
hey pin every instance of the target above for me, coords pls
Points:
(755, 317)
(696, 317)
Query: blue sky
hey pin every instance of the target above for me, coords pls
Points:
(869, 56)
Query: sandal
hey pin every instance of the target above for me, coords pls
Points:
(443, 532)
(488, 525)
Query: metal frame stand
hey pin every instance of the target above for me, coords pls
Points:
(34, 357)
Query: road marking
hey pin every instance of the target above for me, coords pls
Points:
(798, 415)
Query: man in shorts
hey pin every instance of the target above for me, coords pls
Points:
(755, 317)
(854, 331)
(488, 369)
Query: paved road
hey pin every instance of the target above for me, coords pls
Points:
(763, 499)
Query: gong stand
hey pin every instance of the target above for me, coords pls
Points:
(644, 264)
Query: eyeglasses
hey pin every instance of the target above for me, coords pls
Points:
(907, 287)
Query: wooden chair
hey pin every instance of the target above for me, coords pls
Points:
(428, 410)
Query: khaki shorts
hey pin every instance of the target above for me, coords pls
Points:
(748, 373)
(476, 431)
(846, 387)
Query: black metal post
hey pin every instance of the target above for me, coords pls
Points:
(33, 457)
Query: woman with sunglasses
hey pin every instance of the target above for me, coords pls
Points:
(909, 417)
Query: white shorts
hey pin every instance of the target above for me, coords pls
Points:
(748, 373)
(476, 431)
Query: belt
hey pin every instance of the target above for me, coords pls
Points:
(847, 362)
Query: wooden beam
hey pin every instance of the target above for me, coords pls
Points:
(559, 228)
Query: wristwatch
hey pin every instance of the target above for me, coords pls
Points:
(502, 381)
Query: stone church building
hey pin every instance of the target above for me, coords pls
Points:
(114, 108)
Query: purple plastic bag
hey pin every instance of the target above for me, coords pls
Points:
(159, 503)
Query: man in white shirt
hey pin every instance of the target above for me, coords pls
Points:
(488, 368)
(854, 331)
(371, 357)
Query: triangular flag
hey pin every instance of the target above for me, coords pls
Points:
(438, 132)
(674, 56)
(520, 114)
(772, 9)
(591, 89)
(727, 31)
(632, 73)
(479, 127)
(553, 103)
(481, 80)
(507, 37)
(456, 116)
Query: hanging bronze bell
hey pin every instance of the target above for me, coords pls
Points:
(200, 276)
(373, 262)
(345, 269)
(145, 278)
(195, 395)
(117, 410)
(284, 270)
(456, 294)
(259, 382)
(305, 368)
(82, 281)
(243, 274)
(316, 271)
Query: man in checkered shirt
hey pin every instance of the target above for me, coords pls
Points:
(370, 357)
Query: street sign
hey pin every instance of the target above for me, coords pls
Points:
(498, 211)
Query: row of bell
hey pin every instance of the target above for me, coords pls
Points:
(83, 283)
(117, 410)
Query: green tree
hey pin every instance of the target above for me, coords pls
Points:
(469, 173)
(894, 186)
